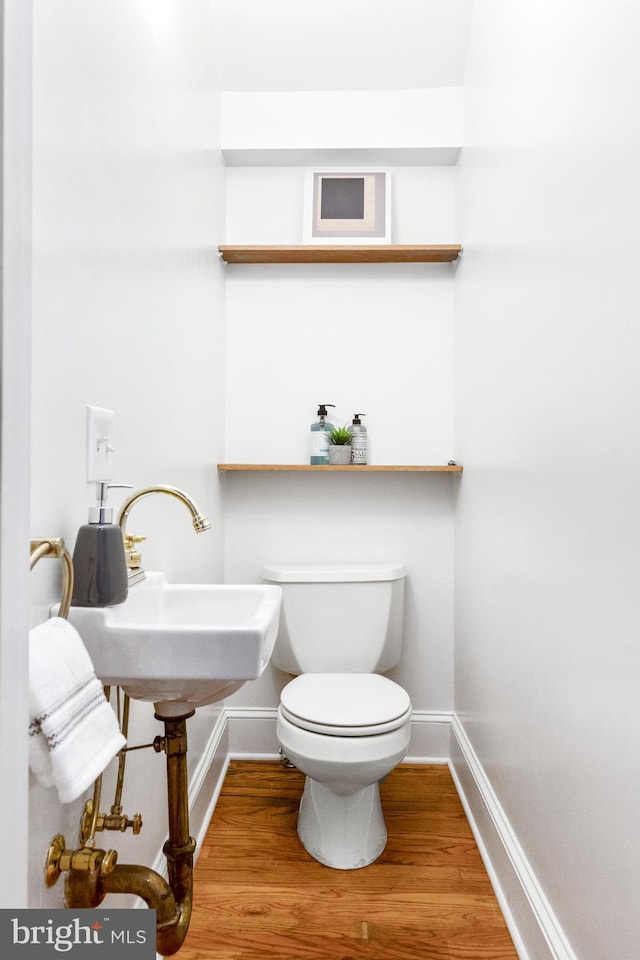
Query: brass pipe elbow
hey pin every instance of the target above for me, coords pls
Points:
(172, 917)
(146, 884)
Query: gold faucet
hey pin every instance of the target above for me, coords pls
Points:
(200, 523)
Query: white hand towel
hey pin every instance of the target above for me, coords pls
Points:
(73, 732)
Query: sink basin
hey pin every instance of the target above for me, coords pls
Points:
(181, 645)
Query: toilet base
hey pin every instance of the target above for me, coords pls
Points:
(345, 832)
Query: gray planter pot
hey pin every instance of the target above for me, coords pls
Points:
(339, 454)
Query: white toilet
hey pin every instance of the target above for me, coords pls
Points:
(339, 722)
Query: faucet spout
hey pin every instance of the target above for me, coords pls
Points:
(198, 519)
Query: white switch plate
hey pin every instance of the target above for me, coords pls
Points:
(99, 444)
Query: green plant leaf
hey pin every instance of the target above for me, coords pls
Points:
(340, 436)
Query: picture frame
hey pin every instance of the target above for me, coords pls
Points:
(347, 206)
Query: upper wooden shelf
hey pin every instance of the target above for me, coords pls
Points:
(329, 468)
(357, 253)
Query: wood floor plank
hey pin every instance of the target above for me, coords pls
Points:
(258, 895)
(298, 945)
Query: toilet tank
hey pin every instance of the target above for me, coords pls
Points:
(339, 617)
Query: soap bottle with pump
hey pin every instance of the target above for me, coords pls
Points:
(359, 444)
(320, 430)
(100, 577)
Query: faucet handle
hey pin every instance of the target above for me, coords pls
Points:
(132, 555)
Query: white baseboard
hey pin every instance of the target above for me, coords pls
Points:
(252, 735)
(206, 782)
(429, 741)
(536, 933)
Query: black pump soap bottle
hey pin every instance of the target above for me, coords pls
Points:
(100, 576)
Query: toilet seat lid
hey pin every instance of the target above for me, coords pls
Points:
(345, 704)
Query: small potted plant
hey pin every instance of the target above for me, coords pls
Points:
(340, 445)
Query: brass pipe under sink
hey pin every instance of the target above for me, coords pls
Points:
(172, 900)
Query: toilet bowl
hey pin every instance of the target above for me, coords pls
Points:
(341, 722)
(345, 732)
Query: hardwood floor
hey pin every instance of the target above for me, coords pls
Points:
(259, 895)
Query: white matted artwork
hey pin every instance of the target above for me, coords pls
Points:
(347, 206)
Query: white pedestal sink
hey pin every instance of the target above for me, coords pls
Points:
(181, 645)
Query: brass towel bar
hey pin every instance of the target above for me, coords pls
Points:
(54, 547)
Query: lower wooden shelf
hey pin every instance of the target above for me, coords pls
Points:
(349, 468)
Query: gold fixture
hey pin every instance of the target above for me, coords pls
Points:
(84, 859)
(58, 857)
(200, 523)
(93, 821)
(54, 547)
(108, 821)
(92, 874)
(132, 555)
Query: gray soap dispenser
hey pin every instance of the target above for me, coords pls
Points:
(100, 577)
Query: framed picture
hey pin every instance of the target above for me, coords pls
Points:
(347, 206)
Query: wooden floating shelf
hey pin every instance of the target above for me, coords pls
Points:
(357, 253)
(369, 468)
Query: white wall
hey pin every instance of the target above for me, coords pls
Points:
(128, 314)
(359, 45)
(15, 388)
(548, 392)
(343, 126)
(127, 214)
(372, 339)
